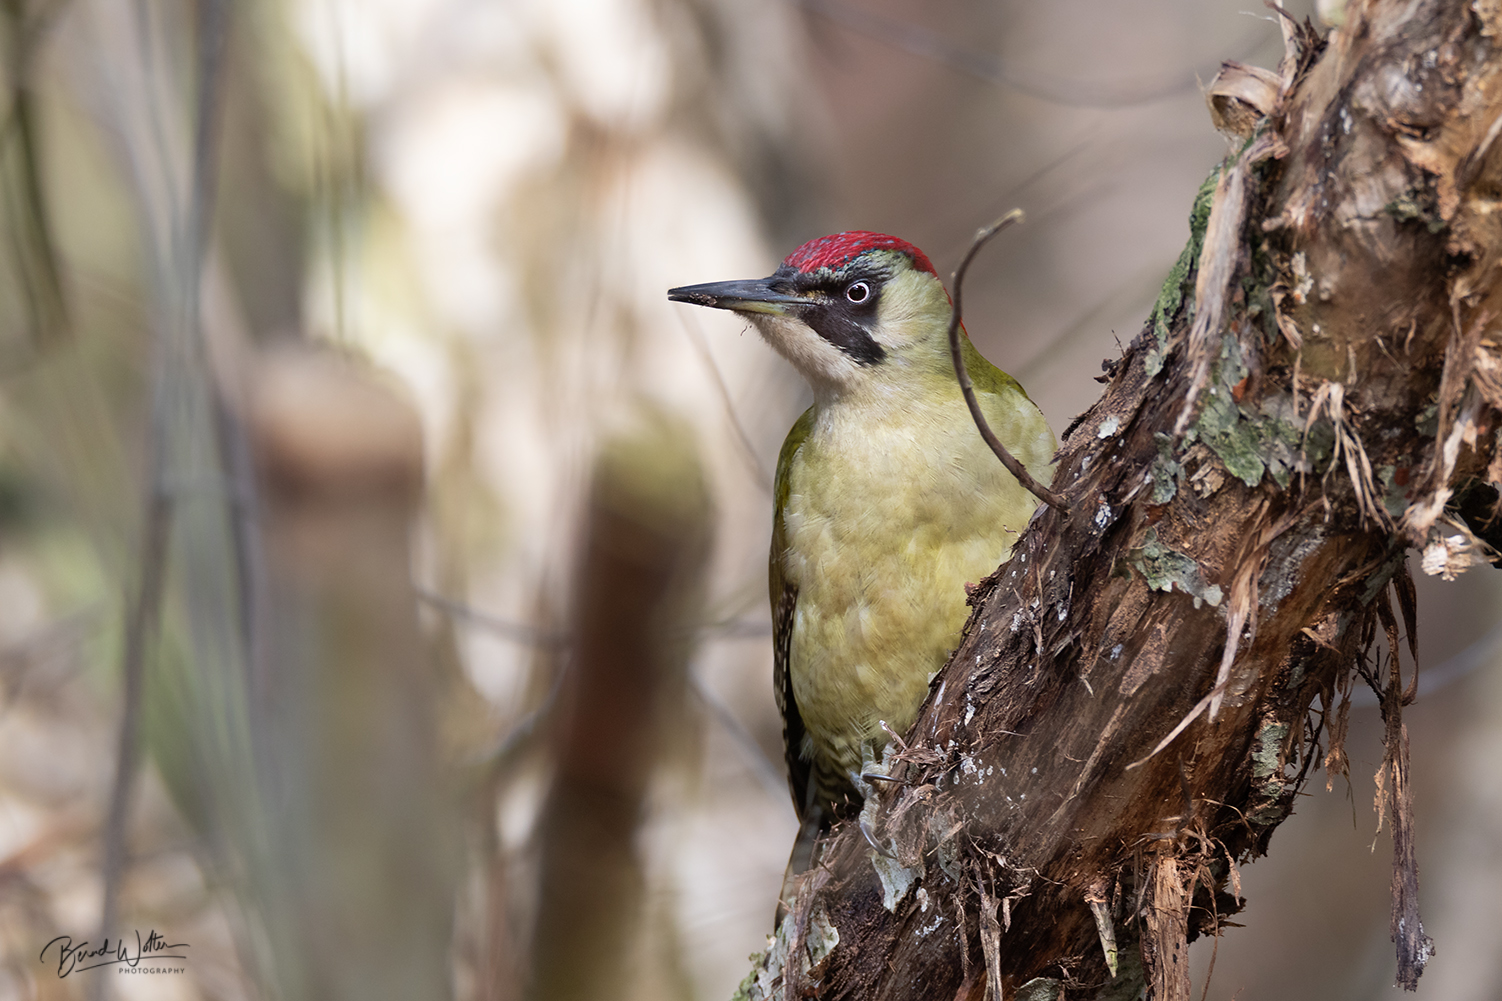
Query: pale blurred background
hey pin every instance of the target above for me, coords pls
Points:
(474, 208)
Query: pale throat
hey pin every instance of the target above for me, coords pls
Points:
(915, 367)
(827, 369)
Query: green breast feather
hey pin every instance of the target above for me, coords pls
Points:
(882, 514)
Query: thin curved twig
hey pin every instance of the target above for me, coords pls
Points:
(498, 754)
(747, 450)
(767, 773)
(1017, 469)
(517, 632)
(525, 635)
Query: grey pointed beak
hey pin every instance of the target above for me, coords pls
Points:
(754, 296)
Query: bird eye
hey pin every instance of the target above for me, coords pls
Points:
(859, 292)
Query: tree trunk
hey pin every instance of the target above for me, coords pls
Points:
(1145, 686)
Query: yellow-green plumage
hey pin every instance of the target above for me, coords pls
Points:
(887, 503)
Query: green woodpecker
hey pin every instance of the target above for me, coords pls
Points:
(887, 500)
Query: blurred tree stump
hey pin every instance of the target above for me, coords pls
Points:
(638, 593)
(1146, 685)
(356, 885)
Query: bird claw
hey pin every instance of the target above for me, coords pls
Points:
(871, 840)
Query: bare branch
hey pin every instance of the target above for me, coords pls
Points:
(145, 605)
(1014, 467)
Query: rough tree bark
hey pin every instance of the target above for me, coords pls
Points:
(1145, 686)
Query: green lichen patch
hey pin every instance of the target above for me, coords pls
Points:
(1279, 443)
(1232, 435)
(1295, 676)
(1256, 286)
(1282, 443)
(1394, 495)
(1269, 439)
(1416, 206)
(1165, 569)
(748, 983)
(941, 831)
(1426, 421)
(896, 880)
(1378, 580)
(1165, 471)
(1318, 444)
(764, 982)
(1221, 425)
(1178, 287)
(1268, 802)
(823, 936)
(1267, 751)
(1040, 989)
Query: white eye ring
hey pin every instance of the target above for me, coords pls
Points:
(859, 292)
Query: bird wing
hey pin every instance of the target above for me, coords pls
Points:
(986, 377)
(1012, 414)
(784, 595)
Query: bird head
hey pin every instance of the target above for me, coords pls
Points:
(847, 310)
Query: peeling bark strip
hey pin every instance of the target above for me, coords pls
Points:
(1165, 948)
(1317, 387)
(1414, 947)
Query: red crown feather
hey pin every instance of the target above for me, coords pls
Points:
(833, 251)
